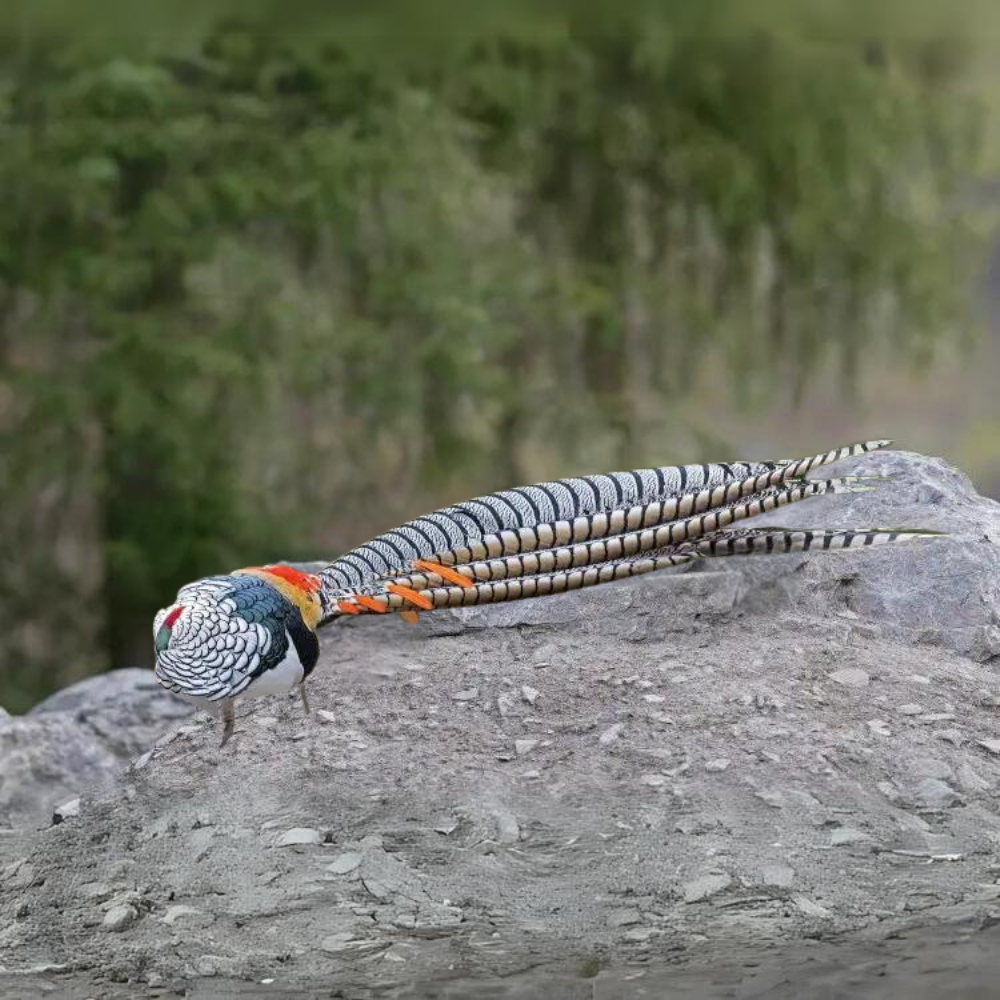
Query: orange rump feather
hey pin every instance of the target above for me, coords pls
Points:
(308, 582)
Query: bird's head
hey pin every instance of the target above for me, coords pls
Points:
(163, 627)
(206, 623)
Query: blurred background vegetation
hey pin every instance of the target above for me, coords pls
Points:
(275, 276)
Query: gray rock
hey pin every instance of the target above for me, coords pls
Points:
(639, 934)
(120, 918)
(469, 694)
(505, 704)
(47, 759)
(344, 863)
(127, 710)
(96, 892)
(844, 835)
(611, 734)
(705, 887)
(78, 739)
(67, 810)
(780, 876)
(930, 767)
(213, 965)
(971, 781)
(341, 941)
(624, 917)
(299, 836)
(811, 908)
(508, 830)
(935, 794)
(175, 913)
(958, 608)
(850, 677)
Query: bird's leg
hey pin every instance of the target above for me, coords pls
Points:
(305, 700)
(228, 721)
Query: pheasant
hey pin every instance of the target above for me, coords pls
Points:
(253, 632)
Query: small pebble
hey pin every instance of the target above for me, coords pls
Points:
(810, 907)
(719, 764)
(611, 734)
(338, 942)
(953, 736)
(119, 918)
(639, 934)
(174, 913)
(935, 794)
(507, 827)
(850, 677)
(844, 835)
(467, 694)
(505, 702)
(344, 863)
(705, 887)
(780, 876)
(624, 918)
(68, 810)
(299, 835)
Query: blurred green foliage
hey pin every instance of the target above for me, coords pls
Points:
(270, 284)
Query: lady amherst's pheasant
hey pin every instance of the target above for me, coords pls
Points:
(253, 632)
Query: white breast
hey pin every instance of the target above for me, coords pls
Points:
(283, 677)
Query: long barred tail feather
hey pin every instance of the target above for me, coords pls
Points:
(722, 543)
(625, 545)
(566, 512)
(632, 523)
(778, 541)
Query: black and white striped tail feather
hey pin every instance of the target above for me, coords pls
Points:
(514, 521)
(741, 542)
(777, 541)
(629, 544)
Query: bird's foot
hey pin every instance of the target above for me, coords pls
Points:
(228, 722)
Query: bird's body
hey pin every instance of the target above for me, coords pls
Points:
(253, 632)
(250, 634)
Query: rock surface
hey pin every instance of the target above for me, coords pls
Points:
(616, 847)
(126, 709)
(79, 739)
